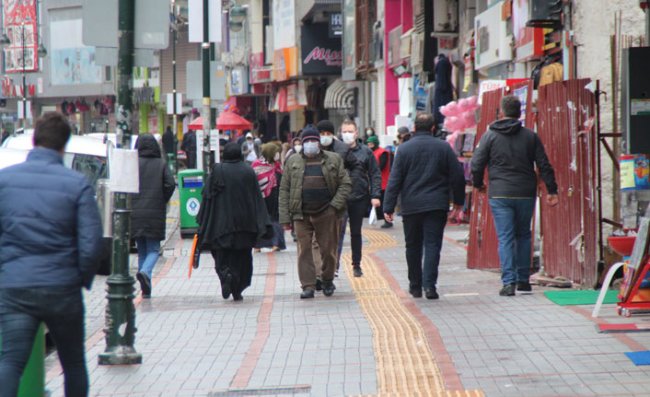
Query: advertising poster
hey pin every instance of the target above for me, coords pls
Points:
(20, 23)
(71, 62)
(321, 55)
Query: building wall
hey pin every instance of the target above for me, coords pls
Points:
(593, 23)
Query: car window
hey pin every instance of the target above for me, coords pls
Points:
(93, 167)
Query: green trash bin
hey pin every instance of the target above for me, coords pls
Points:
(32, 383)
(190, 187)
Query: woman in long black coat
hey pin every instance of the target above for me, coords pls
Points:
(232, 219)
(149, 215)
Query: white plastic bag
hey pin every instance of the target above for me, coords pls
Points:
(372, 217)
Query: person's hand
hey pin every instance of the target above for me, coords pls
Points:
(375, 203)
(456, 214)
(388, 217)
(286, 226)
(552, 200)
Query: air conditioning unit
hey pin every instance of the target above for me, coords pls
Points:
(493, 44)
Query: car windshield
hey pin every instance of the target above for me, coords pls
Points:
(93, 167)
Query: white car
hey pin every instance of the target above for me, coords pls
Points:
(9, 157)
(111, 137)
(84, 154)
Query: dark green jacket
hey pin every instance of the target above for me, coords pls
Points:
(336, 177)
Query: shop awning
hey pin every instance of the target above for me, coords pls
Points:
(338, 96)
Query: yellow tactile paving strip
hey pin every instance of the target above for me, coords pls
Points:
(405, 362)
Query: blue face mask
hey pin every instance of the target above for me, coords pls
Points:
(310, 148)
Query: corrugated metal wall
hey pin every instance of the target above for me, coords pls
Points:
(185, 51)
(566, 113)
(482, 248)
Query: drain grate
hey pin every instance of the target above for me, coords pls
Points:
(263, 391)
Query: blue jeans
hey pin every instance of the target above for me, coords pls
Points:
(148, 253)
(423, 234)
(512, 219)
(21, 312)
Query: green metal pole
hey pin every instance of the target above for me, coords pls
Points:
(205, 49)
(120, 311)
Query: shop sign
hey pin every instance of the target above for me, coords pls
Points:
(320, 54)
(258, 72)
(489, 85)
(336, 25)
(285, 63)
(20, 24)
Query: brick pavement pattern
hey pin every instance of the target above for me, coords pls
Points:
(273, 344)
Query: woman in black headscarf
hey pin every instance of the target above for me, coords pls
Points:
(232, 219)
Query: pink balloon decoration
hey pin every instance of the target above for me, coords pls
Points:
(473, 102)
(452, 109)
(444, 111)
(463, 105)
(452, 123)
(469, 119)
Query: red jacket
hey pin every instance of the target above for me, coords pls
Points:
(385, 172)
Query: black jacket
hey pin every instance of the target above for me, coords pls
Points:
(169, 141)
(510, 153)
(424, 171)
(233, 214)
(362, 167)
(157, 185)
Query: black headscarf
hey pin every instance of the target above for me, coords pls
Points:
(147, 146)
(232, 153)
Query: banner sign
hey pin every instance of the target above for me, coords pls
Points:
(320, 54)
(21, 27)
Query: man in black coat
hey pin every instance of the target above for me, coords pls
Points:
(149, 216)
(169, 142)
(189, 147)
(510, 153)
(232, 218)
(366, 191)
(424, 174)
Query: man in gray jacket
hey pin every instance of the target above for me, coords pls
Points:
(50, 244)
(510, 153)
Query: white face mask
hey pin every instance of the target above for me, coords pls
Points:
(370, 133)
(276, 157)
(310, 148)
(326, 140)
(297, 148)
(348, 137)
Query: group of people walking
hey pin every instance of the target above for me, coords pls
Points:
(51, 234)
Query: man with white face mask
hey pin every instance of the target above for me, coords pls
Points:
(366, 189)
(313, 193)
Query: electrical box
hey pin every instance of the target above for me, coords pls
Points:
(492, 39)
(635, 100)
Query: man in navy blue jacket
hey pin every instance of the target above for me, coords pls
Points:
(50, 244)
(424, 173)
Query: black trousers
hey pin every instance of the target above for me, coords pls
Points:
(234, 267)
(357, 210)
(21, 312)
(423, 234)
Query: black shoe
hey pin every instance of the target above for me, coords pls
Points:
(236, 296)
(145, 284)
(319, 285)
(225, 287)
(431, 293)
(307, 294)
(507, 290)
(524, 286)
(387, 225)
(356, 270)
(328, 288)
(415, 292)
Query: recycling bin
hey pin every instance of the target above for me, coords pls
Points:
(190, 188)
(32, 383)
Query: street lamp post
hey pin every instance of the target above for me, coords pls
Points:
(24, 99)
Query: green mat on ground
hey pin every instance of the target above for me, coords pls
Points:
(580, 297)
